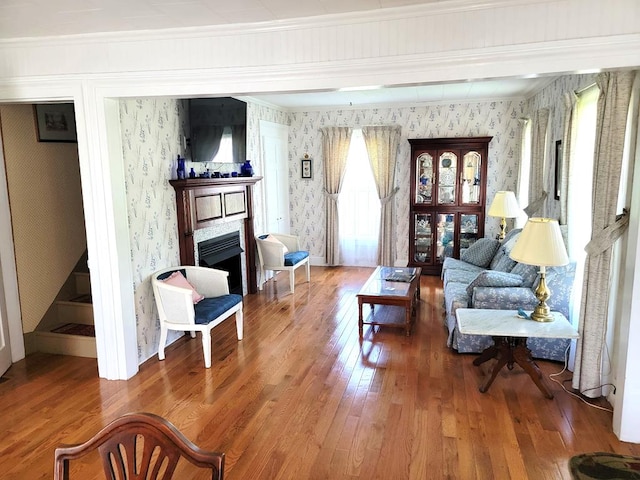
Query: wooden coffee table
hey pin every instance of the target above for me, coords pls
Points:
(380, 289)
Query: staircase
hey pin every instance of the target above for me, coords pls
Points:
(67, 327)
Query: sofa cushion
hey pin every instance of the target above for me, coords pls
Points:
(490, 278)
(211, 308)
(481, 252)
(529, 273)
(291, 258)
(505, 264)
(459, 275)
(505, 249)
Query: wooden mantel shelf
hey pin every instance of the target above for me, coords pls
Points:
(215, 182)
(204, 202)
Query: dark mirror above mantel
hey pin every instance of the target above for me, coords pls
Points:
(204, 202)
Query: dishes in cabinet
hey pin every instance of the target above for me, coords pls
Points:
(447, 177)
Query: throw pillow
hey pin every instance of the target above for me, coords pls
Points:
(271, 238)
(490, 278)
(177, 279)
(481, 252)
(529, 273)
(505, 264)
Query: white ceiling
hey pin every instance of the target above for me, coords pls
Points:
(38, 18)
(410, 95)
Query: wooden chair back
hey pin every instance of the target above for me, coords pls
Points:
(139, 446)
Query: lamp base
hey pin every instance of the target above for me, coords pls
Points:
(503, 229)
(542, 312)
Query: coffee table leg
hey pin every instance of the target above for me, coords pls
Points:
(407, 318)
(360, 319)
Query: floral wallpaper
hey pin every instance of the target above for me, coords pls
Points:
(498, 119)
(152, 137)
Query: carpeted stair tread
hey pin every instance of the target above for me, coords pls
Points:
(76, 329)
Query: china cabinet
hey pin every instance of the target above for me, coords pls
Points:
(448, 184)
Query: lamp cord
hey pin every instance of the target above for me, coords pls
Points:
(579, 397)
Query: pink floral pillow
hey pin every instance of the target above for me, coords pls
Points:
(177, 280)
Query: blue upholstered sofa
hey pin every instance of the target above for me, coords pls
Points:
(486, 277)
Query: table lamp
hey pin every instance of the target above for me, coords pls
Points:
(505, 206)
(540, 243)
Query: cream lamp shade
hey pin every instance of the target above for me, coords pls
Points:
(504, 206)
(540, 243)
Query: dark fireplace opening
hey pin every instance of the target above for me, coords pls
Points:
(223, 253)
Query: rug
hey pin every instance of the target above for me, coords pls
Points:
(76, 329)
(603, 465)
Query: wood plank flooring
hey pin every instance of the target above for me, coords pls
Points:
(301, 398)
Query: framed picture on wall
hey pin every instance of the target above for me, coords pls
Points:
(55, 122)
(558, 179)
(307, 168)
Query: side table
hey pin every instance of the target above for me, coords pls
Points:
(510, 334)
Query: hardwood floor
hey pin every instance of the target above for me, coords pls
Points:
(300, 398)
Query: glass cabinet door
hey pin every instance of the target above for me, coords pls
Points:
(423, 238)
(445, 239)
(470, 190)
(447, 166)
(468, 230)
(424, 179)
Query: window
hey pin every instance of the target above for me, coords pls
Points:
(579, 196)
(225, 152)
(358, 208)
(525, 172)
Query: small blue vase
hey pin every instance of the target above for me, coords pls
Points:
(246, 170)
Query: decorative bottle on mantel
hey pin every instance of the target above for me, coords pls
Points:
(181, 169)
(246, 170)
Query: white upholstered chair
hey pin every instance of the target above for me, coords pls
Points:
(177, 310)
(281, 252)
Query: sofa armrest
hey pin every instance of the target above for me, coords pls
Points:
(503, 298)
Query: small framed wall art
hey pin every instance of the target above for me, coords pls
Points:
(55, 122)
(306, 167)
(558, 172)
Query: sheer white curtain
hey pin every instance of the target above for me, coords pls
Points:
(358, 208)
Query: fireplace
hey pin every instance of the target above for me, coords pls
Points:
(224, 253)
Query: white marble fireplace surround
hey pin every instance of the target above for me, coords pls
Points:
(452, 40)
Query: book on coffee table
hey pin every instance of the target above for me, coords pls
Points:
(400, 277)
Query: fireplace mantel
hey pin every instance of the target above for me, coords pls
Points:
(204, 202)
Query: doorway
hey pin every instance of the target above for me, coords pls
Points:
(43, 229)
